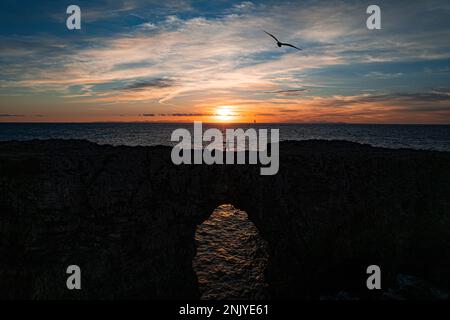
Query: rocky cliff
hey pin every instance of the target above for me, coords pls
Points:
(127, 217)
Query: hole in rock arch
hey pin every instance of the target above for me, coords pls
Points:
(231, 257)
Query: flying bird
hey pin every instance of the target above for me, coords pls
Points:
(279, 44)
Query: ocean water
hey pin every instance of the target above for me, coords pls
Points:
(428, 137)
(231, 257)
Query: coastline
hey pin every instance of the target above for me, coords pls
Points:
(127, 216)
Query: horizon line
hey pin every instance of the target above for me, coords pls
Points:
(221, 123)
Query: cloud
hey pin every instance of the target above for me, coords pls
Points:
(416, 107)
(289, 92)
(265, 114)
(135, 15)
(395, 98)
(243, 6)
(196, 61)
(4, 115)
(185, 114)
(148, 84)
(147, 26)
(383, 76)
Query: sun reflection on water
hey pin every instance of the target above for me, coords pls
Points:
(231, 257)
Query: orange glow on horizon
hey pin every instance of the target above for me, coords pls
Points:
(233, 111)
(225, 114)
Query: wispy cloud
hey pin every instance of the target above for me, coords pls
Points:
(184, 57)
(382, 75)
(5, 115)
(148, 84)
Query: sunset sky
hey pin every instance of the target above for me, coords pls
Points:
(177, 60)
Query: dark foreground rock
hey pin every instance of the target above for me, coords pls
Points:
(127, 217)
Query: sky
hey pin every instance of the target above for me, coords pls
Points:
(179, 60)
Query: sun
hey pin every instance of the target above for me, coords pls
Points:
(224, 113)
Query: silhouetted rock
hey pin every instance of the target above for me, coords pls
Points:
(127, 217)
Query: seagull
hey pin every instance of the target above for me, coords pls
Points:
(279, 44)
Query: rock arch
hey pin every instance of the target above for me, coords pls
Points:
(127, 217)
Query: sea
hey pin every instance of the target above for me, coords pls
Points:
(424, 137)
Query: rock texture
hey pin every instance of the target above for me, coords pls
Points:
(127, 217)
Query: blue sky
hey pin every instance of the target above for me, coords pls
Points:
(178, 60)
